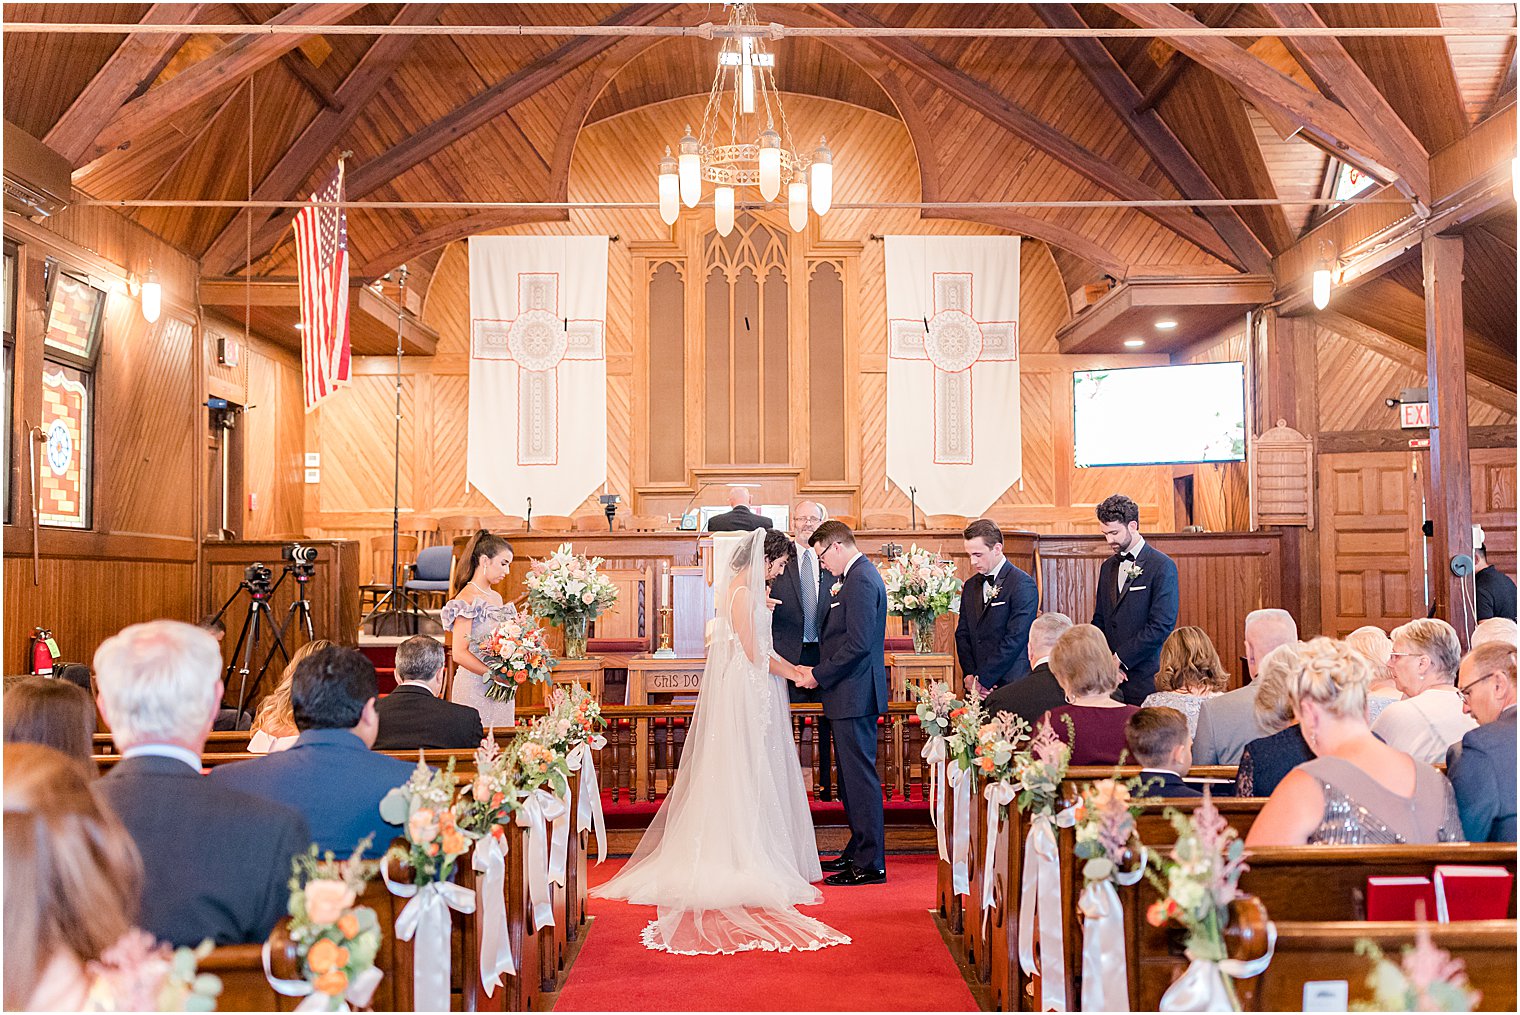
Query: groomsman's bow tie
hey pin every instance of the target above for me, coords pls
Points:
(1126, 555)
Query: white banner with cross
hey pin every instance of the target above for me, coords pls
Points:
(538, 370)
(953, 369)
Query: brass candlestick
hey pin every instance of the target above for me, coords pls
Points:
(665, 651)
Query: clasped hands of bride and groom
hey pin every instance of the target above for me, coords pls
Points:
(732, 850)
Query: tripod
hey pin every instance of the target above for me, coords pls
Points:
(298, 612)
(256, 583)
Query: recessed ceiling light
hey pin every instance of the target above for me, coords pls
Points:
(1133, 343)
(1165, 325)
(299, 326)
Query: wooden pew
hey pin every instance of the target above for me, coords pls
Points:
(518, 992)
(244, 986)
(1327, 951)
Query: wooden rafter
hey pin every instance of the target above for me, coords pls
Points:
(1384, 305)
(1021, 123)
(1332, 125)
(229, 65)
(1153, 134)
(134, 64)
(299, 66)
(448, 232)
(1410, 356)
(1336, 74)
(1051, 232)
(320, 137)
(1171, 71)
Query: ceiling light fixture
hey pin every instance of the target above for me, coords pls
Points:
(152, 296)
(1166, 325)
(1133, 343)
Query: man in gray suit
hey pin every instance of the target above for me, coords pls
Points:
(1482, 765)
(738, 517)
(1227, 723)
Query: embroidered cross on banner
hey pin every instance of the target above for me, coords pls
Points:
(954, 341)
(538, 340)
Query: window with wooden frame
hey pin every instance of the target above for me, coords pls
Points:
(8, 283)
(71, 344)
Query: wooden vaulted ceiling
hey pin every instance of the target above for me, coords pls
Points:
(490, 118)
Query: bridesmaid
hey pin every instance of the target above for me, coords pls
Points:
(472, 612)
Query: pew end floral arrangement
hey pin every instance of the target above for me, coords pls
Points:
(1199, 878)
(1106, 837)
(138, 973)
(515, 653)
(935, 703)
(535, 764)
(1040, 767)
(574, 717)
(426, 808)
(1426, 978)
(335, 939)
(489, 802)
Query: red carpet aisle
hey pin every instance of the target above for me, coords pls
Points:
(896, 960)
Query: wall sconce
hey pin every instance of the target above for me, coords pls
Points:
(1323, 280)
(152, 296)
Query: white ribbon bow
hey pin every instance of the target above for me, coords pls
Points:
(960, 839)
(426, 917)
(589, 810)
(360, 989)
(1041, 895)
(936, 753)
(1105, 975)
(559, 847)
(489, 859)
(999, 795)
(536, 809)
(1203, 986)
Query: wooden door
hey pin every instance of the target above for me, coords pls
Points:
(1493, 503)
(1371, 547)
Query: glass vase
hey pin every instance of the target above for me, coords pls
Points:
(923, 633)
(575, 636)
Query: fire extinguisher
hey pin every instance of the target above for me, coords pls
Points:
(44, 652)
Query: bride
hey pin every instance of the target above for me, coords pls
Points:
(731, 851)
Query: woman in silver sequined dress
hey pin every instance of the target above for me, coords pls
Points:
(1357, 790)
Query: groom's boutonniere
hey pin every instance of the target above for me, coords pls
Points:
(834, 589)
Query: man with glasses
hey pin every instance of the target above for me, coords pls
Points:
(800, 594)
(1431, 718)
(1482, 766)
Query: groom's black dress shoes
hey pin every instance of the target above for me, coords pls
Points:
(839, 863)
(856, 876)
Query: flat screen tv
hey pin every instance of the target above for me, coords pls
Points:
(1167, 415)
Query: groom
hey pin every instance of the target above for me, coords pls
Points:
(852, 679)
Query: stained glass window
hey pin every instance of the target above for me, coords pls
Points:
(67, 466)
(74, 316)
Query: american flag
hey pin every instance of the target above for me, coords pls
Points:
(322, 268)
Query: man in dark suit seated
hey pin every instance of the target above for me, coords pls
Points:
(1137, 598)
(1157, 739)
(1482, 766)
(330, 774)
(1494, 592)
(738, 517)
(800, 595)
(1031, 696)
(216, 861)
(414, 715)
(998, 604)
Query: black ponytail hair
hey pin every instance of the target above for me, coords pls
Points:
(481, 544)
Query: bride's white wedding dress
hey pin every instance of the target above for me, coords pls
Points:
(731, 851)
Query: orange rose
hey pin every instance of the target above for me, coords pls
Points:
(988, 764)
(348, 925)
(324, 956)
(332, 984)
(1156, 914)
(453, 841)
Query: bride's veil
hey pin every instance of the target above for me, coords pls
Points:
(739, 562)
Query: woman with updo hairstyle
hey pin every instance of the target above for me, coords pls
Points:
(1190, 672)
(1357, 790)
(72, 878)
(1267, 760)
(1089, 674)
(473, 611)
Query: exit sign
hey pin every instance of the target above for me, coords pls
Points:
(1414, 415)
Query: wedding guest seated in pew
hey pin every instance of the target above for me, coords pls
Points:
(1190, 673)
(1431, 718)
(54, 713)
(1375, 644)
(1267, 761)
(1089, 674)
(1037, 692)
(274, 725)
(1482, 766)
(1500, 629)
(415, 715)
(1227, 723)
(1358, 790)
(216, 860)
(1158, 742)
(330, 775)
(72, 878)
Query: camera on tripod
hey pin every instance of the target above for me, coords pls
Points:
(256, 578)
(298, 554)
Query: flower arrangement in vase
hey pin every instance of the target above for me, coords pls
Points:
(515, 653)
(568, 590)
(921, 588)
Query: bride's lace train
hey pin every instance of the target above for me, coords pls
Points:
(729, 931)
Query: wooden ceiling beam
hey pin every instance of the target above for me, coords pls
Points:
(300, 68)
(1151, 131)
(1317, 115)
(448, 232)
(134, 65)
(1021, 123)
(1384, 305)
(1171, 71)
(320, 138)
(1336, 74)
(227, 66)
(1410, 356)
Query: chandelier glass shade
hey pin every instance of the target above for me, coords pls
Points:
(744, 139)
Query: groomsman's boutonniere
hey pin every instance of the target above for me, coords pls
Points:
(1131, 569)
(991, 591)
(834, 589)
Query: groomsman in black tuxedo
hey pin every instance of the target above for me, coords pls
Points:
(800, 595)
(998, 604)
(1136, 598)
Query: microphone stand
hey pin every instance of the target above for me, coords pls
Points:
(528, 523)
(913, 507)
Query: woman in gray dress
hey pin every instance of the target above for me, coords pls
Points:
(1357, 790)
(473, 611)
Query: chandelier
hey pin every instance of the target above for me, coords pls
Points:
(745, 140)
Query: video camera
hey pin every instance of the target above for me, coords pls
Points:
(298, 554)
(256, 578)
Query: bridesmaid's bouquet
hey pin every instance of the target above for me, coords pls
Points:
(515, 653)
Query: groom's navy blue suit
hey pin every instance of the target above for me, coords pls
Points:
(852, 682)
